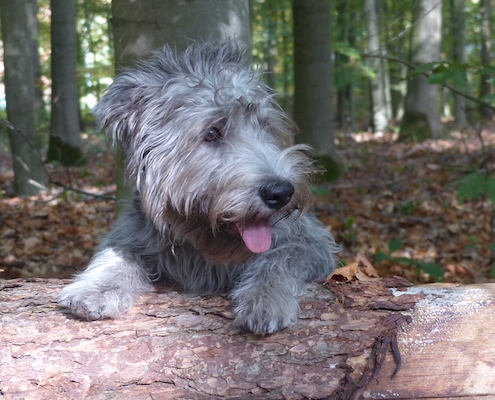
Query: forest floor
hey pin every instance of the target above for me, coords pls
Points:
(396, 203)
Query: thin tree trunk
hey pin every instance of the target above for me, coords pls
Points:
(421, 118)
(459, 55)
(65, 140)
(313, 108)
(18, 29)
(344, 85)
(39, 103)
(381, 115)
(486, 48)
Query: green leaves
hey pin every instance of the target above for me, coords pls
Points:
(394, 245)
(475, 185)
(431, 268)
(455, 73)
(443, 72)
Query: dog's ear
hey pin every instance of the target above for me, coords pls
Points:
(119, 110)
(135, 98)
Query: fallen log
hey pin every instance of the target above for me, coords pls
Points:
(353, 340)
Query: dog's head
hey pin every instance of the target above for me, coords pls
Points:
(208, 148)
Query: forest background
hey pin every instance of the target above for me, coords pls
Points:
(396, 98)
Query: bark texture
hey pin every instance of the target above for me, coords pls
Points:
(65, 140)
(421, 118)
(381, 107)
(142, 26)
(313, 91)
(172, 345)
(364, 339)
(18, 29)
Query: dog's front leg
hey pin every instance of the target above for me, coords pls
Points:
(265, 296)
(106, 288)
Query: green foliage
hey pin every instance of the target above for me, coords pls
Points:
(321, 191)
(329, 168)
(351, 231)
(431, 268)
(64, 153)
(407, 208)
(95, 67)
(455, 75)
(476, 185)
(272, 46)
(394, 245)
(474, 243)
(443, 72)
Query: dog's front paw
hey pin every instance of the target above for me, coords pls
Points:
(92, 302)
(263, 315)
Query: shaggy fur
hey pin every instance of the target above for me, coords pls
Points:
(221, 194)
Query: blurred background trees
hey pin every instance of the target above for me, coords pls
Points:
(65, 139)
(19, 27)
(340, 66)
(421, 119)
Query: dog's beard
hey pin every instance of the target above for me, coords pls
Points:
(224, 244)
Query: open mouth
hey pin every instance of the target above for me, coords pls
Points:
(257, 236)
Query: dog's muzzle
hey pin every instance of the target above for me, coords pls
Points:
(257, 235)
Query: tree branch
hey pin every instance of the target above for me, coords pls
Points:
(426, 74)
(350, 339)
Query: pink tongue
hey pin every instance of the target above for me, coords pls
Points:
(257, 236)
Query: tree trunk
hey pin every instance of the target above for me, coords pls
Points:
(18, 29)
(434, 342)
(421, 118)
(459, 55)
(486, 48)
(381, 109)
(313, 93)
(39, 104)
(344, 109)
(65, 140)
(142, 26)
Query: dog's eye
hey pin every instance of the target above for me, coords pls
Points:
(212, 134)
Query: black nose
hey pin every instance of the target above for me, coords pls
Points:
(277, 194)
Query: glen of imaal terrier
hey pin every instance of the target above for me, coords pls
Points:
(221, 193)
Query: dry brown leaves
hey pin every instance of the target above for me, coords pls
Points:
(55, 234)
(389, 191)
(406, 192)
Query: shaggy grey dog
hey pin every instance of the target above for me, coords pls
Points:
(221, 194)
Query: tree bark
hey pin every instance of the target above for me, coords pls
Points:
(39, 104)
(18, 29)
(459, 55)
(344, 113)
(142, 26)
(172, 345)
(381, 109)
(65, 140)
(486, 48)
(313, 92)
(447, 350)
(421, 119)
